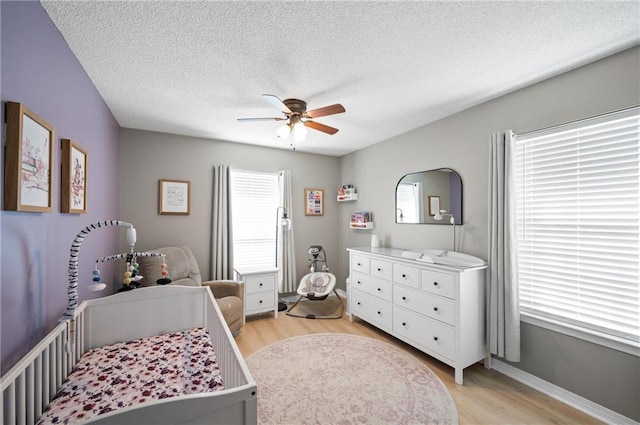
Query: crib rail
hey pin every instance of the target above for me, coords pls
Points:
(32, 383)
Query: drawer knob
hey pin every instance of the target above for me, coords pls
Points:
(379, 269)
(359, 283)
(435, 308)
(404, 298)
(359, 303)
(404, 323)
(261, 284)
(435, 283)
(379, 289)
(404, 275)
(379, 312)
(260, 302)
(359, 264)
(435, 338)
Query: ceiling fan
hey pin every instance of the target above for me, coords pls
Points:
(298, 118)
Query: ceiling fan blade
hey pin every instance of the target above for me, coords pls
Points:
(275, 101)
(321, 127)
(262, 119)
(327, 110)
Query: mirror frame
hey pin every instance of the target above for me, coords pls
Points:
(428, 218)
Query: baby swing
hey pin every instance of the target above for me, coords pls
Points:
(316, 286)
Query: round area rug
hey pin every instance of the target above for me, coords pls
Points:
(346, 379)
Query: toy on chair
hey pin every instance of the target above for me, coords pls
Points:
(317, 285)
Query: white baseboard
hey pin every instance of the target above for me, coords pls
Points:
(587, 406)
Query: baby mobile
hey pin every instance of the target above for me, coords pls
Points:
(131, 274)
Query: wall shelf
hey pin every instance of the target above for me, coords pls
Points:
(345, 198)
(367, 225)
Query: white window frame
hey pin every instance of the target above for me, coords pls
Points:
(559, 324)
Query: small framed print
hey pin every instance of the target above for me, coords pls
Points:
(73, 197)
(434, 205)
(28, 161)
(313, 202)
(174, 197)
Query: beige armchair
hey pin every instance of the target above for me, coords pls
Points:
(183, 270)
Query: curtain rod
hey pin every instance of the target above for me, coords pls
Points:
(551, 127)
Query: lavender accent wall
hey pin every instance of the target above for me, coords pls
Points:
(39, 70)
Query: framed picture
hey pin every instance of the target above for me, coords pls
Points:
(313, 202)
(73, 196)
(174, 197)
(434, 205)
(28, 160)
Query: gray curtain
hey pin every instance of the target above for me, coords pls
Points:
(221, 228)
(503, 308)
(286, 249)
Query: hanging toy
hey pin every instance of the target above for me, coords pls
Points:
(96, 286)
(164, 280)
(126, 281)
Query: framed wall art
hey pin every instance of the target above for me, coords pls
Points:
(313, 202)
(73, 196)
(174, 197)
(28, 161)
(434, 205)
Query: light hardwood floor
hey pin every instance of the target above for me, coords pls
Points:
(487, 396)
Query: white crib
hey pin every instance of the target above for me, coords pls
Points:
(31, 384)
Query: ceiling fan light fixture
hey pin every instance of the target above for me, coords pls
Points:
(283, 132)
(299, 132)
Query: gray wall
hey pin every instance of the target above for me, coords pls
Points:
(146, 157)
(461, 142)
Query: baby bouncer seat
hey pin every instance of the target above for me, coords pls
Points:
(317, 285)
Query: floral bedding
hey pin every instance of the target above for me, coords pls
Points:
(134, 372)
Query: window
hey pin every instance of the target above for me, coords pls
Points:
(578, 223)
(254, 202)
(409, 203)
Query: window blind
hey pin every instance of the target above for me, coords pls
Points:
(254, 202)
(578, 223)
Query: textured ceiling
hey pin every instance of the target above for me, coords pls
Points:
(193, 67)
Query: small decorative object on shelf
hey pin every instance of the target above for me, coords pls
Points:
(361, 220)
(347, 193)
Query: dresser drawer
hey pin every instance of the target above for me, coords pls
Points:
(381, 269)
(372, 309)
(431, 334)
(442, 284)
(406, 275)
(375, 286)
(260, 283)
(260, 301)
(360, 264)
(439, 308)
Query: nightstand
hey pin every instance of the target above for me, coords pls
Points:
(260, 289)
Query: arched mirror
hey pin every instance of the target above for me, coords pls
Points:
(420, 196)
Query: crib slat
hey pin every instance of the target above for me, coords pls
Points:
(46, 377)
(29, 396)
(20, 401)
(11, 403)
(37, 402)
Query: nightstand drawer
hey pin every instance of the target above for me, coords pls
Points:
(260, 283)
(259, 301)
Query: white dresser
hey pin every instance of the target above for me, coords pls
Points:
(438, 309)
(260, 289)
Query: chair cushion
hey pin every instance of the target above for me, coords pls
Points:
(181, 265)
